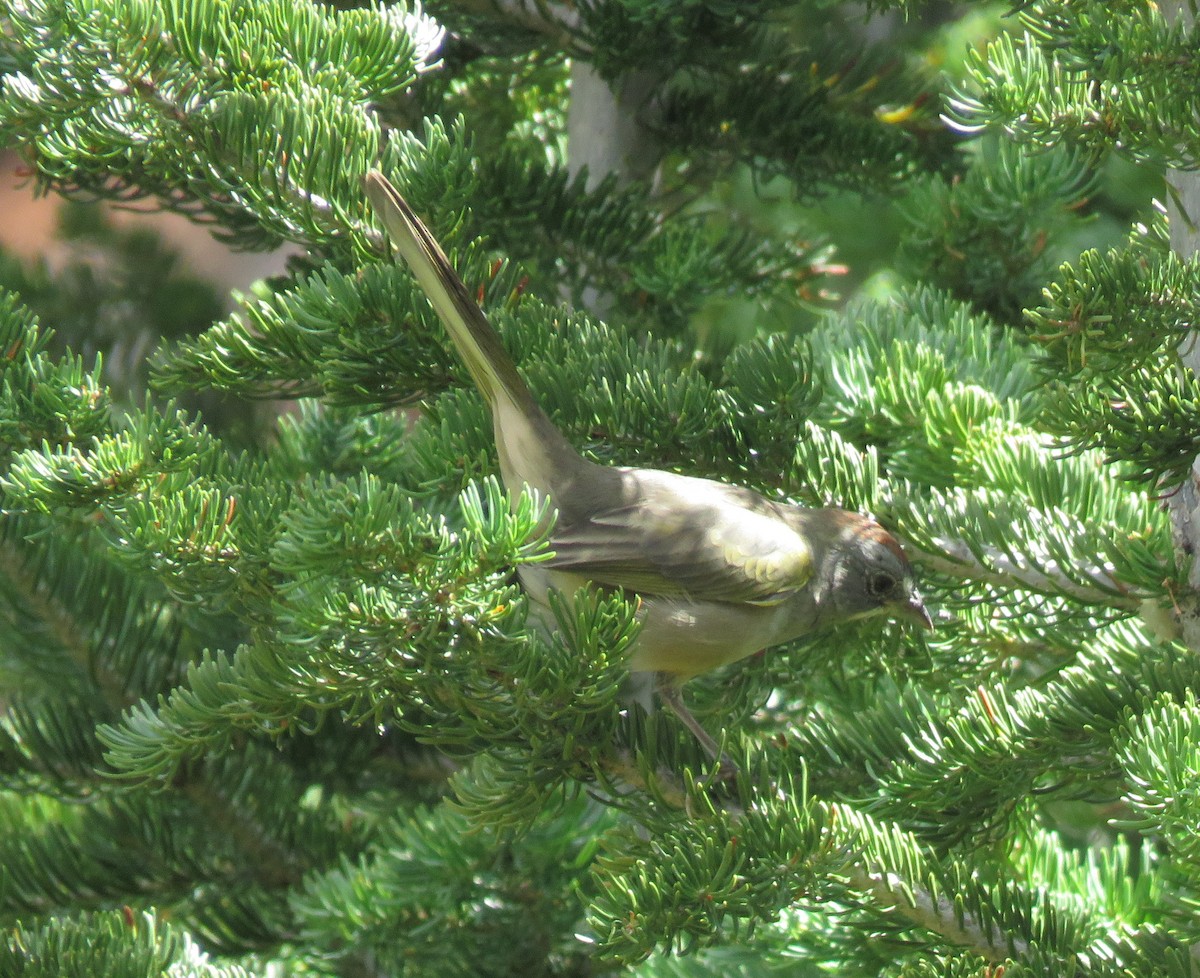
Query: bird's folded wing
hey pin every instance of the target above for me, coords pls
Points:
(701, 551)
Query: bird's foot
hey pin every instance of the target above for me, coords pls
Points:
(670, 694)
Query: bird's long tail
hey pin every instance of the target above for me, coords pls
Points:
(532, 451)
(477, 342)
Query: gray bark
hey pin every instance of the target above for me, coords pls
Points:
(1184, 505)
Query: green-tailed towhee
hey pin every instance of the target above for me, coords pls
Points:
(720, 570)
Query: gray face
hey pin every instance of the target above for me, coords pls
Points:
(871, 577)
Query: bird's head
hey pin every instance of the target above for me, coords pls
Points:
(867, 573)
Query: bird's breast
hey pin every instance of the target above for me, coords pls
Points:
(683, 637)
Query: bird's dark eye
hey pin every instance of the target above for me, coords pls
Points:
(880, 584)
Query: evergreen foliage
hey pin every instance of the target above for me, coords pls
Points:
(270, 702)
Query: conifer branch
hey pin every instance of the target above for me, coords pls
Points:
(64, 625)
(935, 914)
(290, 612)
(958, 558)
(262, 856)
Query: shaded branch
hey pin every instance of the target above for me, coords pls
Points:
(558, 22)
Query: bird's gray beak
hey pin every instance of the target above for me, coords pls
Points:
(913, 610)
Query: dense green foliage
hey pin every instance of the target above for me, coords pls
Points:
(269, 700)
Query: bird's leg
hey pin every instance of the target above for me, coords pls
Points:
(670, 693)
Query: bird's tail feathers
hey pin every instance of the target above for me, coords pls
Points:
(476, 340)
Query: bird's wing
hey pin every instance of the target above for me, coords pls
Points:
(689, 538)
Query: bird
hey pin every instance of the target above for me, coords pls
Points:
(719, 571)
